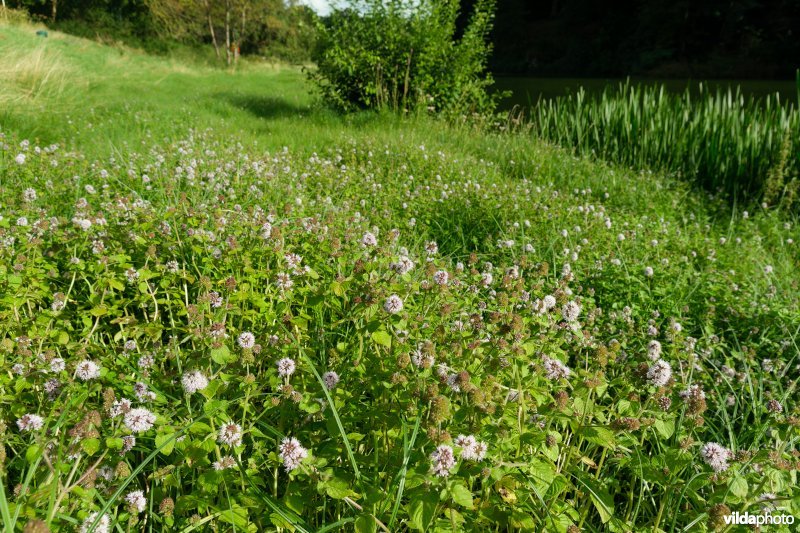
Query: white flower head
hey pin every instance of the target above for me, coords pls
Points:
(247, 340)
(555, 369)
(30, 422)
(87, 370)
(224, 463)
(654, 350)
(136, 501)
(230, 434)
(331, 379)
(660, 373)
(102, 524)
(393, 304)
(716, 456)
(57, 365)
(441, 277)
(369, 240)
(570, 311)
(286, 367)
(194, 381)
(471, 448)
(443, 460)
(139, 420)
(292, 453)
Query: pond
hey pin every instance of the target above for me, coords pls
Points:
(527, 91)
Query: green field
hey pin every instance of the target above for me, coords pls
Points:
(464, 329)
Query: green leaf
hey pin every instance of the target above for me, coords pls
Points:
(522, 521)
(212, 388)
(90, 446)
(599, 495)
(295, 502)
(337, 289)
(222, 355)
(236, 516)
(32, 452)
(599, 435)
(337, 488)
(738, 486)
(665, 427)
(213, 407)
(165, 442)
(461, 495)
(279, 521)
(420, 512)
(365, 523)
(382, 337)
(114, 443)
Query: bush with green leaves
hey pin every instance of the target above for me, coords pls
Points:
(404, 55)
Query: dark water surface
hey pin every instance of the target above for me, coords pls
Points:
(527, 91)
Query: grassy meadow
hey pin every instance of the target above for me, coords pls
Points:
(225, 307)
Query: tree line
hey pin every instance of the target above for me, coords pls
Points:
(278, 28)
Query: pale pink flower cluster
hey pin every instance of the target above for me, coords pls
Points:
(103, 524)
(292, 453)
(331, 379)
(230, 434)
(194, 381)
(139, 420)
(30, 422)
(716, 456)
(136, 500)
(286, 367)
(247, 340)
(393, 304)
(471, 448)
(555, 369)
(660, 373)
(87, 370)
(443, 460)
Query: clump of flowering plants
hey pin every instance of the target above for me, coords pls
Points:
(205, 336)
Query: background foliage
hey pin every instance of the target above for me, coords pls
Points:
(271, 28)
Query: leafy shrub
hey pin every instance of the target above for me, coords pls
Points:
(404, 54)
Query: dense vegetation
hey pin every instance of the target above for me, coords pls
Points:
(463, 330)
(405, 55)
(748, 148)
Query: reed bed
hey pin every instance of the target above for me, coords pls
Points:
(725, 141)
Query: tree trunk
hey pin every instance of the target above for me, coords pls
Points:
(244, 23)
(228, 30)
(54, 11)
(211, 28)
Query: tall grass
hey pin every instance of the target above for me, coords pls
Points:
(30, 73)
(722, 140)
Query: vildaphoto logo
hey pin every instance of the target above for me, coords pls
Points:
(741, 519)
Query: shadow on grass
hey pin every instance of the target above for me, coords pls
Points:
(267, 107)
